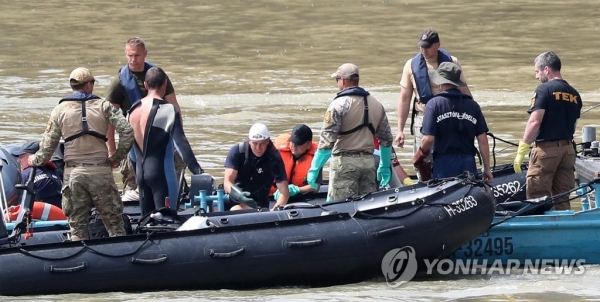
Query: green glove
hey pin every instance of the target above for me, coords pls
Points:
(384, 173)
(521, 151)
(319, 160)
(294, 190)
(236, 195)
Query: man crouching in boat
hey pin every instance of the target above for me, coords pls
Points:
(47, 182)
(351, 121)
(297, 150)
(250, 169)
(82, 119)
(157, 129)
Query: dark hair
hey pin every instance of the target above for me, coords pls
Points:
(155, 77)
(549, 59)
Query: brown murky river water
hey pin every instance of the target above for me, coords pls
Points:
(234, 63)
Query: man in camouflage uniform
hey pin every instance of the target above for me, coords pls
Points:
(83, 119)
(351, 121)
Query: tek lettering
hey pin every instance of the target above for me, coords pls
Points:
(567, 97)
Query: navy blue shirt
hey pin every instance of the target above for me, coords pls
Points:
(454, 119)
(47, 185)
(563, 107)
(256, 174)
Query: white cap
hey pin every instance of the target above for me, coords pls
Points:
(258, 132)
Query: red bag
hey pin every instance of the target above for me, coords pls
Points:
(422, 166)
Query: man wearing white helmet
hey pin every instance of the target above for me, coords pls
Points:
(250, 169)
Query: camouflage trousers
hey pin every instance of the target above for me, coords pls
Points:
(87, 187)
(352, 175)
(128, 171)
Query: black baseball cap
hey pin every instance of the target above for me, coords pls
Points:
(29, 147)
(428, 38)
(301, 134)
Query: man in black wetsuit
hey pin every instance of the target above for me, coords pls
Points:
(157, 129)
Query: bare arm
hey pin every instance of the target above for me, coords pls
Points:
(533, 126)
(484, 149)
(406, 93)
(427, 142)
(464, 89)
(229, 179)
(400, 172)
(403, 107)
(172, 98)
(309, 189)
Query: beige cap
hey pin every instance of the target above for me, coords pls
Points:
(80, 75)
(346, 71)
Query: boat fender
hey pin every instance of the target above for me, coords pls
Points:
(195, 223)
(41, 211)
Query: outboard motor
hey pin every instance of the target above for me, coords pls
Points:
(24, 218)
(11, 176)
(588, 141)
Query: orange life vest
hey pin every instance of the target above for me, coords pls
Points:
(41, 211)
(300, 167)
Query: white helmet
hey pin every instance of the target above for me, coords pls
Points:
(258, 132)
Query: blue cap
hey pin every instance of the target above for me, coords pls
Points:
(29, 147)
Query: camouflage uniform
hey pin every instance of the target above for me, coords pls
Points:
(88, 180)
(127, 170)
(352, 169)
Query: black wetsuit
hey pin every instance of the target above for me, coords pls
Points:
(155, 167)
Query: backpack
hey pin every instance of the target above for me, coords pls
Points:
(98, 230)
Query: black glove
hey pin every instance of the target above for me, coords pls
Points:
(238, 196)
